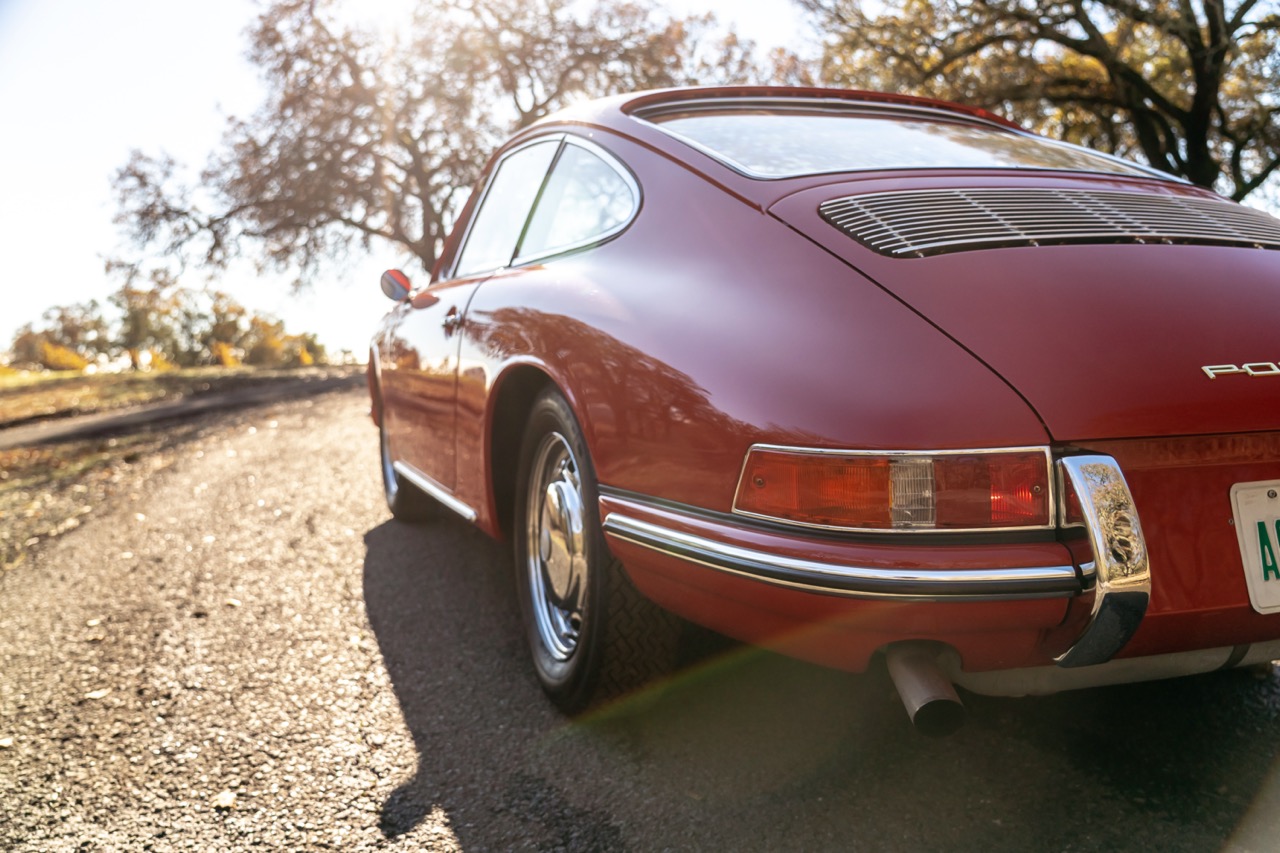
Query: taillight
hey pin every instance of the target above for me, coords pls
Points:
(945, 490)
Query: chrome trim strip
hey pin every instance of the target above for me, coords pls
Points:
(653, 113)
(1042, 680)
(854, 581)
(434, 489)
(1123, 586)
(928, 531)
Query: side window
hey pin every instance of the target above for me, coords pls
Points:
(585, 199)
(492, 240)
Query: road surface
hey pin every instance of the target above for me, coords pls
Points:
(244, 652)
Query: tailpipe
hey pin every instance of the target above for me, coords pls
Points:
(930, 699)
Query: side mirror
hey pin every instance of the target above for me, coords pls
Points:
(395, 285)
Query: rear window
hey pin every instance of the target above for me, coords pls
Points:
(772, 143)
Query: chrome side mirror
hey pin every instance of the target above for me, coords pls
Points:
(395, 285)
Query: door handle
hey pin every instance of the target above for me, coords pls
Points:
(452, 321)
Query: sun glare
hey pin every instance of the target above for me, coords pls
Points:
(388, 17)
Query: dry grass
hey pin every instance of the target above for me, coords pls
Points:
(27, 397)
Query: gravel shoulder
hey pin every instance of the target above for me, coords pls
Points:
(55, 471)
(202, 636)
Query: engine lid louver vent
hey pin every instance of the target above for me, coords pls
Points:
(917, 223)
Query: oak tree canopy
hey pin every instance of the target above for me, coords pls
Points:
(1190, 86)
(362, 139)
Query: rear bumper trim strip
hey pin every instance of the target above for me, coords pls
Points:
(854, 581)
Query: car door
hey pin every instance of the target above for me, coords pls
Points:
(420, 364)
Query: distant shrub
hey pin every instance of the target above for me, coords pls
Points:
(160, 362)
(56, 357)
(225, 354)
(267, 352)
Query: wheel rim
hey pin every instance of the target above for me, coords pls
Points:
(555, 546)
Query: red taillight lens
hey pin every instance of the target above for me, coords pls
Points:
(993, 490)
(943, 491)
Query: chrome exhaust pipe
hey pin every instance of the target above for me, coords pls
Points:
(930, 698)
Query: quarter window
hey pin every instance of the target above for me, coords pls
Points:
(584, 200)
(527, 214)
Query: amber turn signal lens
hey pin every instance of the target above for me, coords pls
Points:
(942, 491)
(834, 491)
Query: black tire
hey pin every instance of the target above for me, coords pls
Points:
(592, 635)
(405, 500)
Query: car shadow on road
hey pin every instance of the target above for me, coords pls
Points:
(750, 751)
(443, 610)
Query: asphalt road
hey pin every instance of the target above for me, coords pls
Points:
(244, 652)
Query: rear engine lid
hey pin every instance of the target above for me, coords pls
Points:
(1128, 308)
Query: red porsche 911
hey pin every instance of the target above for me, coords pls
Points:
(849, 375)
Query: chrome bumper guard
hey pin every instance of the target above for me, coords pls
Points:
(1123, 574)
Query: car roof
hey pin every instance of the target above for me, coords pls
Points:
(636, 116)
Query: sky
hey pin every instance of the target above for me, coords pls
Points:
(82, 84)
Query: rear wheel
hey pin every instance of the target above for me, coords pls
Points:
(592, 635)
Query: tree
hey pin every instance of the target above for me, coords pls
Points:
(268, 345)
(265, 342)
(175, 324)
(80, 328)
(70, 337)
(1194, 89)
(357, 143)
(150, 314)
(305, 350)
(223, 334)
(27, 346)
(55, 357)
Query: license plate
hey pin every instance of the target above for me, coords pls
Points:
(1257, 514)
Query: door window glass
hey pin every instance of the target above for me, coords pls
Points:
(505, 209)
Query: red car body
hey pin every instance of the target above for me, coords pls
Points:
(735, 311)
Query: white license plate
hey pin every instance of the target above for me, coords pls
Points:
(1257, 513)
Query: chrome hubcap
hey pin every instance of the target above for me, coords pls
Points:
(556, 547)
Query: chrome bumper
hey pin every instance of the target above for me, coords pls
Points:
(855, 581)
(1118, 574)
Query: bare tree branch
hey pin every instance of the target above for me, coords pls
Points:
(1187, 86)
(357, 144)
